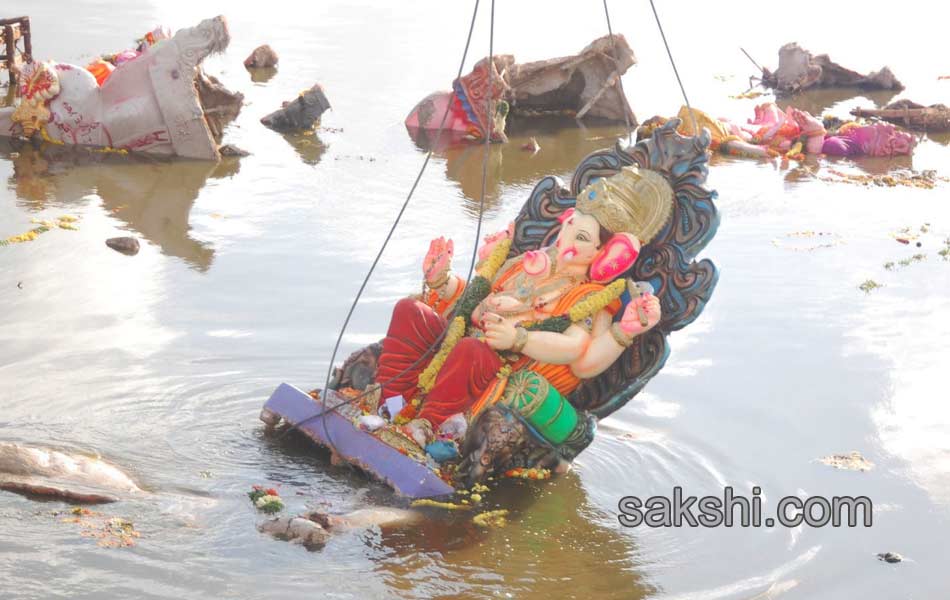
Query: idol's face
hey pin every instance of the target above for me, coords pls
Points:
(579, 239)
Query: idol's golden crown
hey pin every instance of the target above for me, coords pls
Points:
(637, 201)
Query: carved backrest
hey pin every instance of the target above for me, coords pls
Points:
(682, 284)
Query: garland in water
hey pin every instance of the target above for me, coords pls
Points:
(63, 222)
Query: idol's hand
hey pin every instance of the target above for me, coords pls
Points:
(435, 266)
(643, 309)
(499, 333)
(493, 239)
(807, 123)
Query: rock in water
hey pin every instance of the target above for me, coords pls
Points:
(232, 150)
(301, 113)
(126, 245)
(262, 57)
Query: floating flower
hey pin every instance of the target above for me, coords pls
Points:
(266, 500)
(522, 473)
(269, 503)
(437, 504)
(492, 518)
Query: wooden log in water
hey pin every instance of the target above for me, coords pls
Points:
(926, 119)
(47, 492)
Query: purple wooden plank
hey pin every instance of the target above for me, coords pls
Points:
(358, 447)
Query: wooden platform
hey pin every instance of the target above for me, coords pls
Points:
(361, 449)
(16, 46)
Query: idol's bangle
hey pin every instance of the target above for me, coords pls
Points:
(521, 338)
(621, 337)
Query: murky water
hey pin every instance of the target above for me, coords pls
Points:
(161, 362)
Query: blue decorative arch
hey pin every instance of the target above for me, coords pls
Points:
(682, 284)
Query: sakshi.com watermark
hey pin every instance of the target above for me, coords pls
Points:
(731, 510)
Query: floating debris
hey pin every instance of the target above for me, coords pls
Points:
(63, 222)
(232, 150)
(890, 557)
(826, 239)
(798, 69)
(492, 518)
(301, 113)
(111, 532)
(302, 530)
(266, 500)
(747, 95)
(915, 258)
(436, 504)
(851, 462)
(925, 179)
(354, 157)
(910, 115)
(945, 251)
(522, 473)
(906, 235)
(531, 146)
(870, 285)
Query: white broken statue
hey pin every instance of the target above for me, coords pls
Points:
(152, 103)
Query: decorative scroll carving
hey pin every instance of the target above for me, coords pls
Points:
(683, 284)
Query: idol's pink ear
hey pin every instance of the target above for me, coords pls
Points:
(567, 214)
(617, 255)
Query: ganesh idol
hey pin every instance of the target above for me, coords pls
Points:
(538, 323)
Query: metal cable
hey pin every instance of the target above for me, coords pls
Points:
(613, 47)
(490, 127)
(675, 71)
(435, 344)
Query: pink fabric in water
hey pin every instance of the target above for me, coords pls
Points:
(876, 139)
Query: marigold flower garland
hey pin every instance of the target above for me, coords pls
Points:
(480, 285)
(583, 309)
(477, 290)
(63, 222)
(492, 518)
(456, 331)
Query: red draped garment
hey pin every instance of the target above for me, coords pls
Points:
(470, 369)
